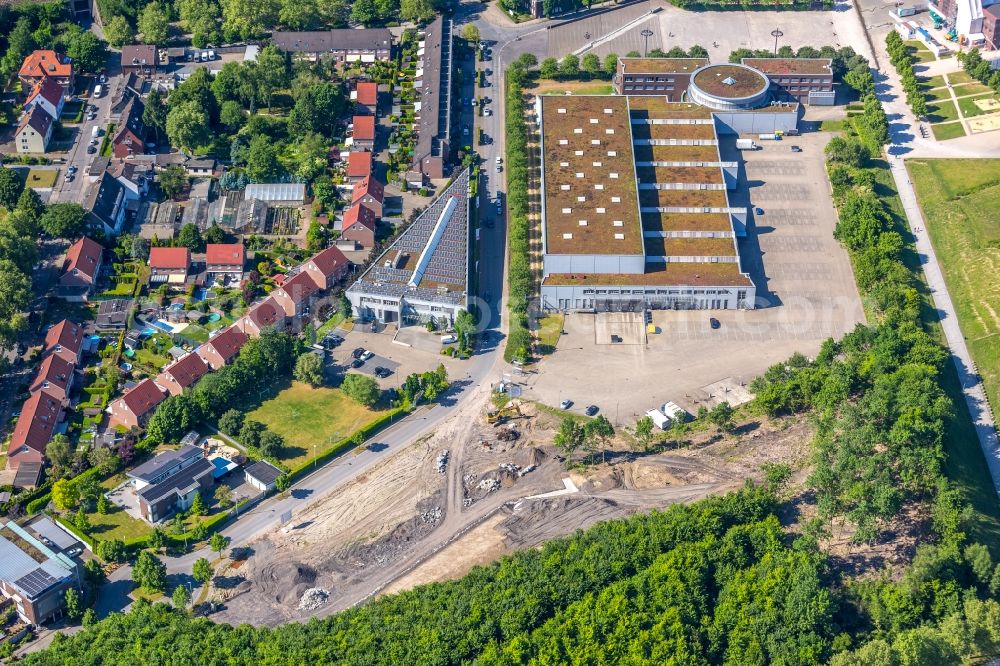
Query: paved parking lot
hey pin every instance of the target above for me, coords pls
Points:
(400, 359)
(806, 294)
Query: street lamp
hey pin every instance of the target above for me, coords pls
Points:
(776, 33)
(647, 33)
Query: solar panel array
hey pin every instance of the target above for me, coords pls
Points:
(449, 264)
(35, 582)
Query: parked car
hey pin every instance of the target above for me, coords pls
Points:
(365, 355)
(358, 352)
(758, 211)
(357, 363)
(796, 149)
(713, 322)
(591, 410)
(566, 404)
(91, 149)
(382, 373)
(448, 339)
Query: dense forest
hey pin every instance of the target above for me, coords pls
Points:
(719, 581)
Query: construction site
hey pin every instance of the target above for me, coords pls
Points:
(487, 482)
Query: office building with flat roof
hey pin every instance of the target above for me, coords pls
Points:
(669, 77)
(425, 272)
(635, 210)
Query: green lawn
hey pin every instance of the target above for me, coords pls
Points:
(831, 126)
(958, 78)
(932, 81)
(195, 333)
(938, 94)
(116, 524)
(959, 199)
(969, 108)
(549, 331)
(919, 51)
(941, 111)
(149, 358)
(971, 89)
(308, 417)
(945, 131)
(41, 178)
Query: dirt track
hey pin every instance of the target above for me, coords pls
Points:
(406, 523)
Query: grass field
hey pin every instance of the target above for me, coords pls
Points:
(959, 199)
(945, 131)
(549, 331)
(116, 524)
(831, 126)
(958, 78)
(937, 95)
(41, 178)
(971, 89)
(919, 51)
(941, 111)
(308, 417)
(932, 81)
(968, 105)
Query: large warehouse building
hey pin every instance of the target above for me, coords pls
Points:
(425, 272)
(635, 211)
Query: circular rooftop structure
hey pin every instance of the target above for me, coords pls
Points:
(729, 87)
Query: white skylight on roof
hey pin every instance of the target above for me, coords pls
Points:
(581, 199)
(597, 164)
(608, 111)
(567, 236)
(729, 81)
(578, 130)
(595, 142)
(578, 153)
(561, 110)
(619, 236)
(579, 174)
(564, 187)
(618, 223)
(593, 121)
(564, 164)
(583, 223)
(599, 186)
(563, 142)
(609, 130)
(602, 210)
(616, 199)
(612, 153)
(613, 174)
(567, 210)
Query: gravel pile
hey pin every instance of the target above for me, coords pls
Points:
(313, 598)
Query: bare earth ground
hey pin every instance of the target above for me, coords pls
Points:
(405, 523)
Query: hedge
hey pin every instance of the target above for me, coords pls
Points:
(72, 529)
(519, 277)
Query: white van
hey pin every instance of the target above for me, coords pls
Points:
(211, 55)
(96, 132)
(98, 90)
(448, 339)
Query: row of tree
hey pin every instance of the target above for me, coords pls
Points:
(902, 59)
(980, 69)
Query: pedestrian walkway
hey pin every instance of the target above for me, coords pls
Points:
(972, 386)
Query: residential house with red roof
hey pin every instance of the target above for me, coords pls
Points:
(223, 348)
(296, 295)
(327, 267)
(80, 270)
(65, 340)
(55, 375)
(134, 408)
(358, 225)
(42, 64)
(359, 165)
(130, 133)
(33, 131)
(182, 373)
(169, 264)
(40, 416)
(264, 315)
(366, 97)
(224, 262)
(48, 95)
(370, 193)
(364, 133)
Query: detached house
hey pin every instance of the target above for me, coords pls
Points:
(182, 374)
(359, 226)
(224, 261)
(139, 59)
(223, 348)
(35, 577)
(366, 97)
(40, 415)
(370, 193)
(170, 481)
(169, 264)
(133, 409)
(34, 131)
(42, 64)
(359, 166)
(47, 94)
(80, 270)
(364, 132)
(327, 268)
(130, 133)
(65, 340)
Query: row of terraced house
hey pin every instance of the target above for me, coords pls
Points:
(284, 308)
